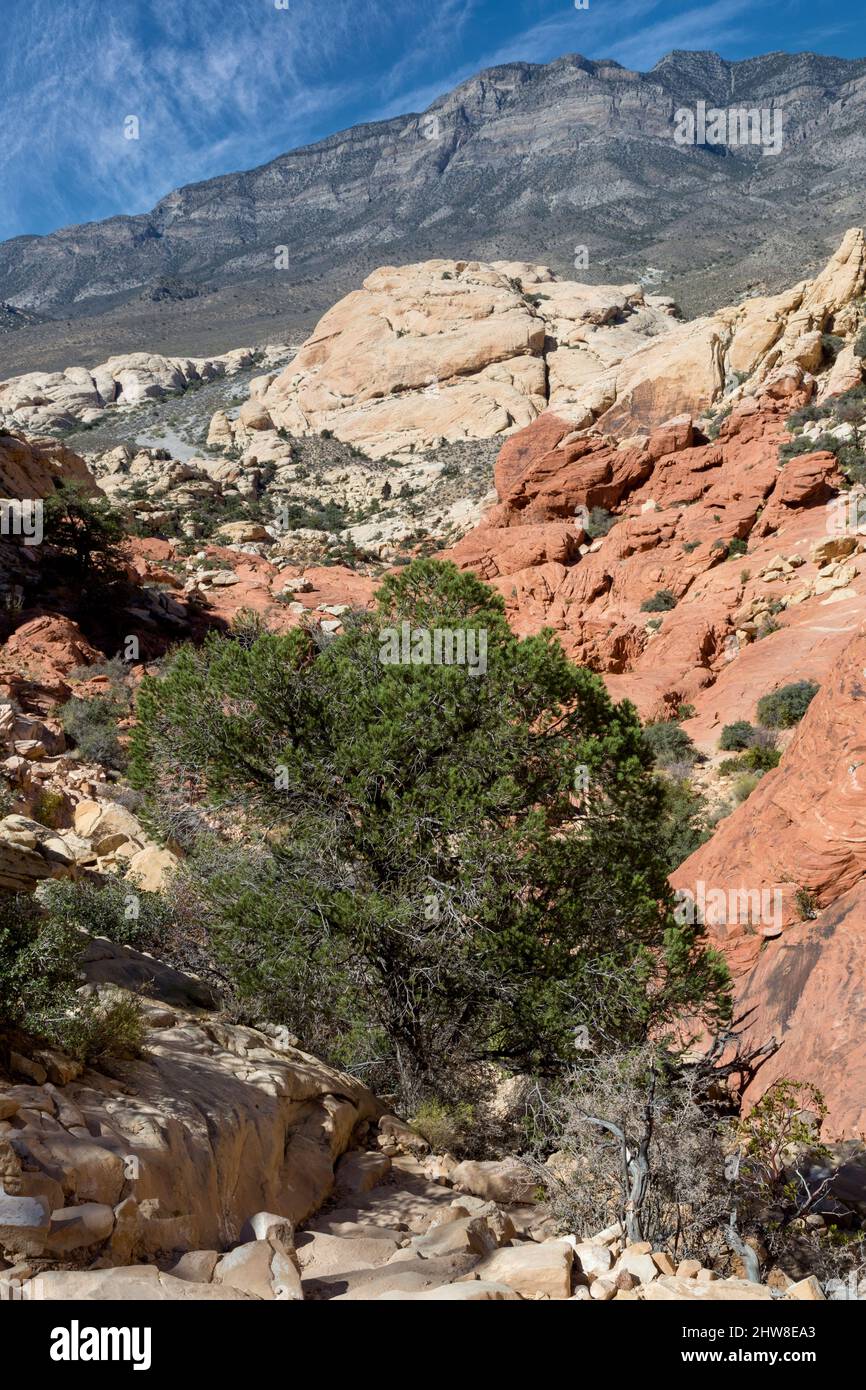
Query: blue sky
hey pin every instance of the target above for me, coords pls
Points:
(219, 85)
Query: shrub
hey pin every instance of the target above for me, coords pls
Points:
(114, 909)
(760, 758)
(860, 344)
(745, 785)
(685, 711)
(728, 766)
(410, 879)
(662, 601)
(633, 1141)
(668, 743)
(807, 906)
(104, 1028)
(92, 725)
(599, 523)
(683, 827)
(40, 971)
(792, 448)
(736, 736)
(852, 462)
(84, 535)
(445, 1127)
(831, 345)
(784, 708)
(49, 808)
(737, 547)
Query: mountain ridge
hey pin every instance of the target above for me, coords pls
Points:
(479, 175)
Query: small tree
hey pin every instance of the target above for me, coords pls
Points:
(640, 1137)
(85, 533)
(431, 857)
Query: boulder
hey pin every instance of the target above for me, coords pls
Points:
(479, 1291)
(258, 1269)
(496, 1180)
(531, 1270)
(357, 1173)
(671, 1288)
(24, 1224)
(76, 1228)
(151, 868)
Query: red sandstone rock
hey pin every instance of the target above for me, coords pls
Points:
(806, 991)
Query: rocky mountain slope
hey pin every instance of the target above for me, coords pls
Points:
(478, 176)
(684, 504)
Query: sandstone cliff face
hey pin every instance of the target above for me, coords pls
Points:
(33, 468)
(450, 350)
(789, 604)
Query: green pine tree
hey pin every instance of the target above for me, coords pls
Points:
(424, 869)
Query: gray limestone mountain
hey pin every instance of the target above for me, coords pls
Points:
(522, 161)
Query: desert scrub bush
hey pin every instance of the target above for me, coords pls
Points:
(49, 808)
(115, 909)
(599, 523)
(737, 547)
(92, 725)
(629, 1138)
(767, 628)
(668, 743)
(684, 825)
(736, 736)
(7, 797)
(755, 759)
(685, 711)
(114, 669)
(411, 871)
(662, 601)
(784, 708)
(803, 444)
(745, 785)
(40, 975)
(807, 904)
(105, 1027)
(860, 344)
(852, 461)
(807, 414)
(831, 346)
(446, 1127)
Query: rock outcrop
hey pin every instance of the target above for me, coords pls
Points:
(80, 395)
(214, 1124)
(448, 350)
